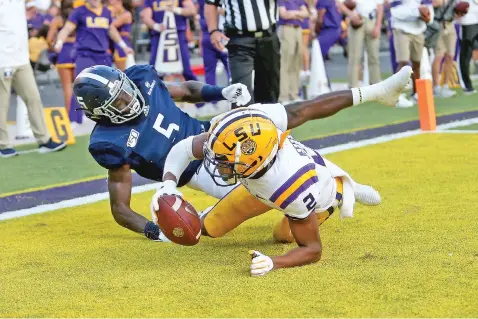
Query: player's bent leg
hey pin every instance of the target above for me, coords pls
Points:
(231, 211)
(282, 233)
(385, 92)
(235, 206)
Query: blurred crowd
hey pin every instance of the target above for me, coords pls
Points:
(76, 34)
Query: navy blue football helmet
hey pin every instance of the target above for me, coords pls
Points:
(107, 95)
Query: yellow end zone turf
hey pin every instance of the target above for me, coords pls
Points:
(414, 256)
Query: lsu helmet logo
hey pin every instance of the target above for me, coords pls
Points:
(248, 147)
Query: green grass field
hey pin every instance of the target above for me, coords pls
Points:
(37, 170)
(416, 255)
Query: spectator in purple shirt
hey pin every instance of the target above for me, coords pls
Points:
(52, 12)
(291, 14)
(153, 14)
(329, 21)
(34, 18)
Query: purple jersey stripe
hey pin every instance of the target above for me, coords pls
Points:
(395, 4)
(302, 188)
(291, 181)
(318, 159)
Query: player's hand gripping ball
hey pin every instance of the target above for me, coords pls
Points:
(178, 220)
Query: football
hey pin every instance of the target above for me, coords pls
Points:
(462, 8)
(178, 220)
(350, 4)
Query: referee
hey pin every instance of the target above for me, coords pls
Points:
(252, 43)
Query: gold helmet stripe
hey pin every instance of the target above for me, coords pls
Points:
(234, 114)
(229, 120)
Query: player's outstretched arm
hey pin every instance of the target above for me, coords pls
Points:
(385, 92)
(176, 162)
(181, 155)
(120, 183)
(194, 92)
(306, 234)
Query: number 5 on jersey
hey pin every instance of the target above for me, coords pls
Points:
(166, 132)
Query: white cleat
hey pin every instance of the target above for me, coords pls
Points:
(391, 88)
(367, 195)
(403, 102)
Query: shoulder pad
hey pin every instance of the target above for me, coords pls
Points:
(108, 155)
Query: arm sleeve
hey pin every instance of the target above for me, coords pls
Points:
(276, 112)
(322, 4)
(74, 17)
(108, 155)
(403, 12)
(148, 4)
(179, 158)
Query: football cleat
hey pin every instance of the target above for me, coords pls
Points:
(391, 88)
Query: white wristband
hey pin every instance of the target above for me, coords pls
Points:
(157, 27)
(177, 10)
(170, 183)
(122, 44)
(58, 44)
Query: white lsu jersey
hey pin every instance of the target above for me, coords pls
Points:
(298, 182)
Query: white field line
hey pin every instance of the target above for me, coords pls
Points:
(458, 132)
(140, 189)
(70, 203)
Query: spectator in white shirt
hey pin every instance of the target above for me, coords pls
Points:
(16, 72)
(445, 47)
(409, 22)
(366, 26)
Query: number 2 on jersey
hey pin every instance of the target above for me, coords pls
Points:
(166, 132)
(310, 202)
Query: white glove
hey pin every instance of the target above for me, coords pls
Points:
(261, 264)
(237, 93)
(165, 188)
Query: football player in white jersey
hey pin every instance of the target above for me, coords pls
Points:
(246, 145)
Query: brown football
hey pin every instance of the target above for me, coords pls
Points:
(350, 4)
(462, 8)
(178, 220)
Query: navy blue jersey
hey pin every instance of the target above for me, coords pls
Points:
(144, 142)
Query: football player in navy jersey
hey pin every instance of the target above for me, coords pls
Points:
(138, 123)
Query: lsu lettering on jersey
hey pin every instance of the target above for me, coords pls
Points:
(144, 142)
(92, 25)
(298, 183)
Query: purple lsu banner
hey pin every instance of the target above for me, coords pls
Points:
(168, 56)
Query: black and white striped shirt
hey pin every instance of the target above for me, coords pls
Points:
(249, 15)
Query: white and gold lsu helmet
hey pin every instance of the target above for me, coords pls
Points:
(240, 144)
